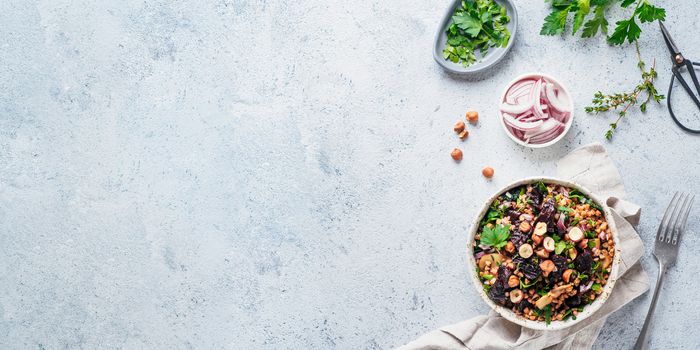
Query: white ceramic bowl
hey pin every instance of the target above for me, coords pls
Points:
(568, 122)
(589, 309)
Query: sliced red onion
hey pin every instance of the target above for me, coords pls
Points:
(478, 255)
(521, 125)
(557, 101)
(560, 223)
(535, 111)
(587, 287)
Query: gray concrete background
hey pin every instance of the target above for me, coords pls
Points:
(264, 174)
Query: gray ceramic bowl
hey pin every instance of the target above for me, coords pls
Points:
(494, 55)
(508, 313)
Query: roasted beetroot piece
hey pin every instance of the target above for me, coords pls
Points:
(547, 213)
(560, 264)
(574, 300)
(498, 293)
(514, 215)
(518, 238)
(535, 196)
(530, 270)
(584, 261)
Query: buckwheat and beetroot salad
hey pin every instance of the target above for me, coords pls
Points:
(544, 250)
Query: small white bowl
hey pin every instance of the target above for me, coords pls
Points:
(589, 309)
(568, 122)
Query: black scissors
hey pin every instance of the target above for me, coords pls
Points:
(678, 63)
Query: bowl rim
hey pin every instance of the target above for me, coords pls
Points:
(509, 314)
(569, 122)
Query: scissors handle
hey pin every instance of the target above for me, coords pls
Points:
(686, 87)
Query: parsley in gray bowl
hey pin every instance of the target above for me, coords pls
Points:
(474, 35)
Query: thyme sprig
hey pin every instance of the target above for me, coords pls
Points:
(622, 102)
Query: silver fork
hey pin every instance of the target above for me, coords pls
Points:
(666, 250)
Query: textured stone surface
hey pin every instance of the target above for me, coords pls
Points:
(263, 174)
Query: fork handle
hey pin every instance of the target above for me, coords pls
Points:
(643, 338)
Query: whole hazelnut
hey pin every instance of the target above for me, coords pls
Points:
(487, 172)
(464, 134)
(473, 116)
(456, 154)
(459, 126)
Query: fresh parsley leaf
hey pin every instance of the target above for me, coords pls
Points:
(596, 287)
(590, 29)
(555, 23)
(626, 3)
(650, 13)
(583, 8)
(625, 29)
(487, 277)
(467, 23)
(542, 187)
(496, 237)
(589, 234)
(559, 247)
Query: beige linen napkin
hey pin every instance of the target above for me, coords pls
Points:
(591, 167)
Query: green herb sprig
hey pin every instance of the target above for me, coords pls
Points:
(623, 101)
(625, 30)
(496, 237)
(476, 25)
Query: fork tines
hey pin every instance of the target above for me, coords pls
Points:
(675, 218)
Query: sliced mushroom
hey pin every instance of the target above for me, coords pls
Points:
(607, 259)
(556, 292)
(542, 253)
(566, 276)
(543, 301)
(548, 244)
(575, 234)
(516, 295)
(540, 228)
(525, 250)
(493, 258)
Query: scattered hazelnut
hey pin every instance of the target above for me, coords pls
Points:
(547, 266)
(456, 154)
(459, 126)
(513, 281)
(536, 239)
(541, 228)
(542, 253)
(525, 226)
(464, 134)
(525, 250)
(516, 295)
(473, 116)
(548, 244)
(487, 172)
(510, 247)
(583, 244)
(566, 276)
(575, 234)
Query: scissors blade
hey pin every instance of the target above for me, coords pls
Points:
(669, 42)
